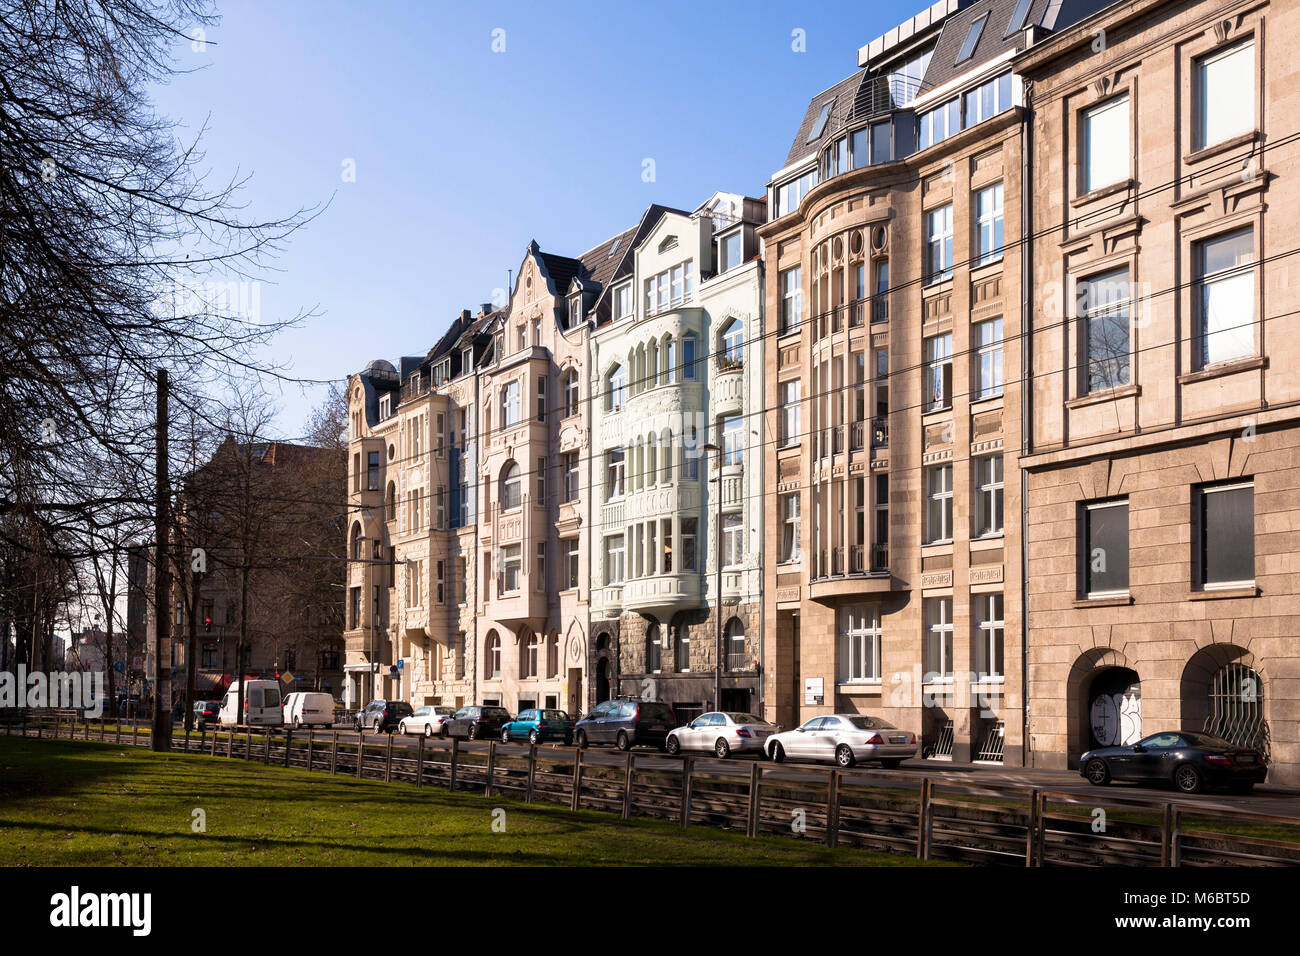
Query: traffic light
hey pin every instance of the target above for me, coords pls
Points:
(207, 622)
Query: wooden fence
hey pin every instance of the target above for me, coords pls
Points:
(893, 811)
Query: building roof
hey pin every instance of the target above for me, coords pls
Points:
(841, 98)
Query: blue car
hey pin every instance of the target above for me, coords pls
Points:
(539, 725)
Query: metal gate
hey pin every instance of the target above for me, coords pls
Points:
(943, 746)
(991, 749)
(1237, 707)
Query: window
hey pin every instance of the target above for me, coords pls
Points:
(819, 125)
(615, 471)
(569, 462)
(1226, 526)
(682, 647)
(372, 471)
(541, 482)
(440, 582)
(860, 637)
(492, 658)
(938, 124)
(354, 608)
(570, 386)
(615, 389)
(789, 528)
(938, 372)
(835, 158)
(882, 135)
(467, 360)
(938, 244)
(880, 308)
(385, 406)
(690, 455)
(614, 559)
(1225, 93)
(689, 534)
(733, 436)
(623, 301)
(1104, 142)
(987, 100)
(512, 566)
(541, 398)
(653, 648)
(734, 642)
(1018, 16)
(938, 501)
(988, 205)
(938, 640)
(988, 359)
(790, 412)
(511, 487)
(989, 638)
(791, 300)
(570, 546)
(1105, 548)
(972, 38)
(689, 343)
(575, 311)
(988, 495)
(540, 584)
(733, 343)
(511, 409)
(666, 537)
(790, 194)
(729, 251)
(671, 288)
(440, 508)
(733, 541)
(1226, 321)
(1103, 303)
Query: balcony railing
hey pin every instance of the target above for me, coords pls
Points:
(844, 561)
(880, 433)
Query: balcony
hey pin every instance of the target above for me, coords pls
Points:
(880, 433)
(850, 569)
(662, 595)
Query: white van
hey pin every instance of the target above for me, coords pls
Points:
(308, 709)
(261, 704)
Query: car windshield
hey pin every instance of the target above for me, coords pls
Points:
(554, 715)
(870, 723)
(745, 719)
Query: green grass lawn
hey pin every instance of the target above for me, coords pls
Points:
(91, 804)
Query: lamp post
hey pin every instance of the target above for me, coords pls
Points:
(717, 580)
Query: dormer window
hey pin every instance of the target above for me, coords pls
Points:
(623, 301)
(385, 407)
(819, 126)
(727, 251)
(467, 361)
(972, 38)
(575, 311)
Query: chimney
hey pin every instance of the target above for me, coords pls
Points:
(485, 308)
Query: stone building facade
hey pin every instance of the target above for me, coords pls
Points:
(1161, 464)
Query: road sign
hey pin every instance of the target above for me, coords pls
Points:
(287, 677)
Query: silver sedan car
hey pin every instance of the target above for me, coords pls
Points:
(426, 720)
(846, 739)
(723, 732)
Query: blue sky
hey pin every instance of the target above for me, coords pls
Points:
(462, 154)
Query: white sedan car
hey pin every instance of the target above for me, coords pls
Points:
(846, 739)
(426, 720)
(722, 732)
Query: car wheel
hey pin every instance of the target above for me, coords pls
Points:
(297, 723)
(568, 740)
(621, 742)
(1097, 772)
(582, 740)
(505, 736)
(1187, 778)
(722, 749)
(844, 756)
(473, 731)
(428, 730)
(673, 746)
(446, 731)
(891, 763)
(534, 737)
(778, 752)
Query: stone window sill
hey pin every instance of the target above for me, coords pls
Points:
(1083, 199)
(1108, 395)
(1214, 594)
(1206, 152)
(1118, 600)
(1250, 363)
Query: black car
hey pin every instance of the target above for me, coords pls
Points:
(382, 716)
(205, 712)
(477, 722)
(1188, 759)
(626, 724)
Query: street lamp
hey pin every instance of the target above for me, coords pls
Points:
(717, 586)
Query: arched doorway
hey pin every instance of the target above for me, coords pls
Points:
(1114, 707)
(1222, 692)
(602, 680)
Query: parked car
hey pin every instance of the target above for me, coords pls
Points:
(309, 709)
(206, 712)
(846, 739)
(539, 725)
(477, 721)
(626, 724)
(723, 732)
(426, 720)
(261, 704)
(1188, 759)
(382, 716)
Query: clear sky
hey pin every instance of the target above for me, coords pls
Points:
(463, 154)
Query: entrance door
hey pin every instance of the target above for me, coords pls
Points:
(796, 692)
(735, 699)
(1115, 708)
(574, 702)
(602, 680)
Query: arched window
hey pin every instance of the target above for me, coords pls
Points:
(528, 659)
(570, 393)
(653, 650)
(390, 502)
(616, 389)
(652, 364)
(734, 641)
(670, 360)
(492, 656)
(511, 495)
(639, 383)
(355, 547)
(651, 471)
(689, 342)
(1237, 707)
(666, 456)
(733, 344)
(681, 645)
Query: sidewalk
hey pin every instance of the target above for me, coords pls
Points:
(1029, 774)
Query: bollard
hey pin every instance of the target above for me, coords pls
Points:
(455, 754)
(627, 785)
(388, 761)
(419, 762)
(532, 770)
(688, 766)
(334, 755)
(576, 797)
(491, 767)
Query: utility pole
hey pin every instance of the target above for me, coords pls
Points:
(162, 674)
